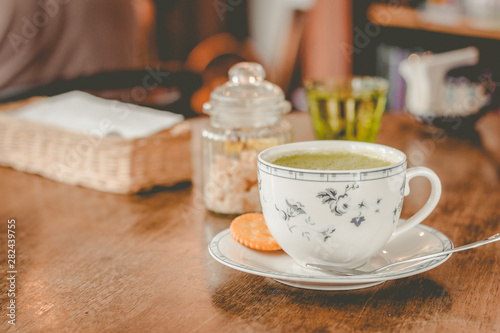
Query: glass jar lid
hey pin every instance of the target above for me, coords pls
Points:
(246, 99)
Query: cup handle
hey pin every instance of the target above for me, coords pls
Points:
(428, 207)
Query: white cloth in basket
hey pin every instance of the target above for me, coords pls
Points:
(82, 112)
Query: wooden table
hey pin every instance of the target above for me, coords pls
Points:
(97, 262)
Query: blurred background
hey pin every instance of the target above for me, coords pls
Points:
(170, 54)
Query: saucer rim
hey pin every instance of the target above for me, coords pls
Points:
(329, 279)
(329, 286)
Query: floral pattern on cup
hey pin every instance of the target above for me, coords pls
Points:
(399, 207)
(292, 210)
(339, 204)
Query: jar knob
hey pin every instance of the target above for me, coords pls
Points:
(247, 73)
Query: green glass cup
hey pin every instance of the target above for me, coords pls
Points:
(346, 108)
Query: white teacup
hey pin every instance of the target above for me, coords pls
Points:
(338, 217)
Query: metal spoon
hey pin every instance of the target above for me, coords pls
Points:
(419, 260)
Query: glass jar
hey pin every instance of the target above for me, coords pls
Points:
(245, 118)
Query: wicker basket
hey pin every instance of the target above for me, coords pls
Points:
(110, 164)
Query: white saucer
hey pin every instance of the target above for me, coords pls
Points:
(279, 266)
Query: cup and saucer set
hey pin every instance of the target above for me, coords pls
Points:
(346, 218)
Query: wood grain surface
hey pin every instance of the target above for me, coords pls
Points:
(96, 262)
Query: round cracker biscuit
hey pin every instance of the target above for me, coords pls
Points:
(251, 230)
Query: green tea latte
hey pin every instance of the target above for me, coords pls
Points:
(331, 160)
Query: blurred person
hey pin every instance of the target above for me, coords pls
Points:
(46, 40)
